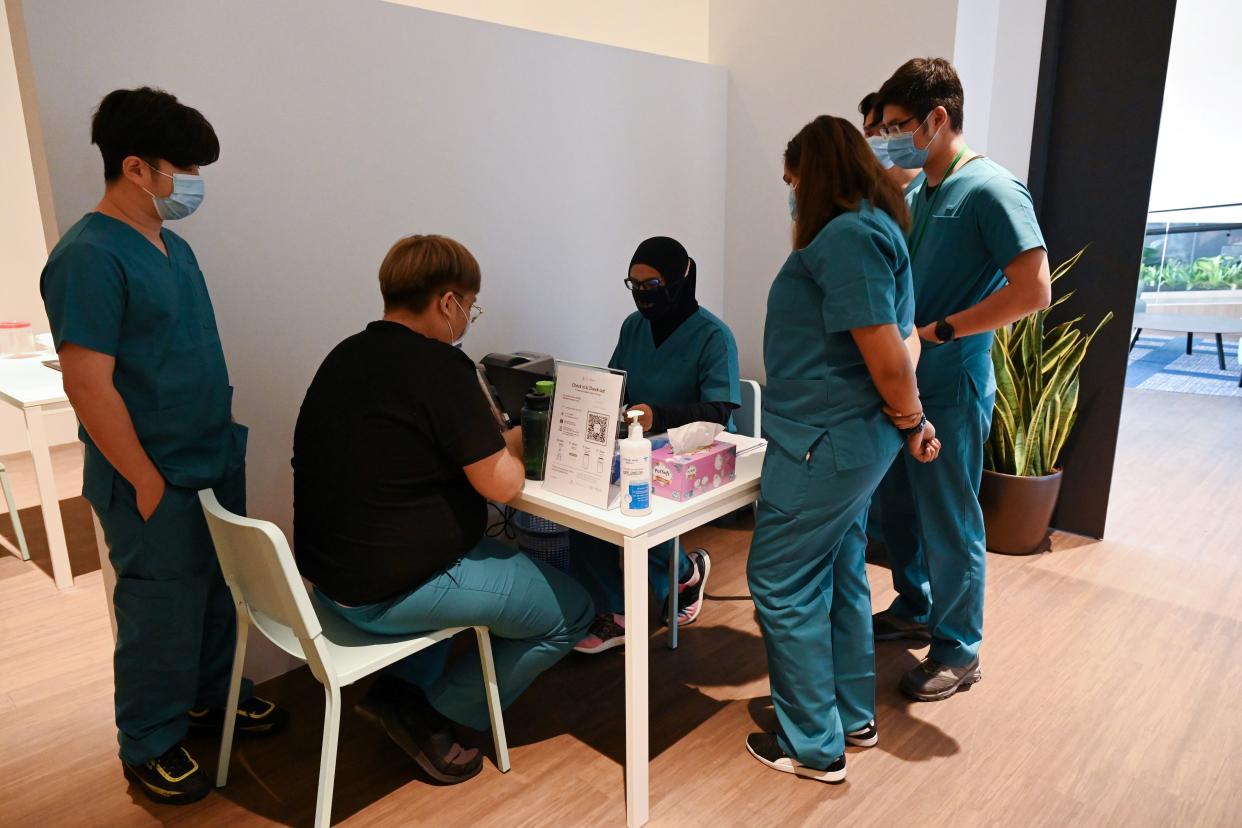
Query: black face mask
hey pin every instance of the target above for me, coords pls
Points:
(657, 303)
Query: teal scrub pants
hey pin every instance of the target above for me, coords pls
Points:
(175, 618)
(536, 614)
(932, 527)
(808, 578)
(597, 566)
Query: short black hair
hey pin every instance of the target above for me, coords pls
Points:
(921, 85)
(868, 105)
(151, 124)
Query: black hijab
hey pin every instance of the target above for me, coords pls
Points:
(667, 307)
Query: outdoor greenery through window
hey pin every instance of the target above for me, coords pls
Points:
(1194, 249)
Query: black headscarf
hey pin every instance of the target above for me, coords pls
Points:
(667, 307)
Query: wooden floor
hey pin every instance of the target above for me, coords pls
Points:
(1112, 674)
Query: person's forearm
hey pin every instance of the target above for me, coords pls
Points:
(664, 417)
(914, 347)
(103, 414)
(1005, 306)
(898, 387)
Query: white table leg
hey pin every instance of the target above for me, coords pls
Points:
(48, 499)
(637, 719)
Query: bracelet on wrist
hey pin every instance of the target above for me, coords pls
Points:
(916, 429)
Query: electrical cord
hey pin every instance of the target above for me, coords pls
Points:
(505, 525)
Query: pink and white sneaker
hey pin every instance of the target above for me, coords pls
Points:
(606, 631)
(691, 592)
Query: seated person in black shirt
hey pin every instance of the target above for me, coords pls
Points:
(395, 454)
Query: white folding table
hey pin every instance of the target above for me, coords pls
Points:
(635, 536)
(37, 391)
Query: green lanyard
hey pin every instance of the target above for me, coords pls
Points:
(921, 230)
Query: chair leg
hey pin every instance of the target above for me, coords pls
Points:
(492, 689)
(673, 560)
(230, 709)
(327, 754)
(17, 519)
(1190, 344)
(1220, 351)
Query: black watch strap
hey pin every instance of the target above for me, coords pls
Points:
(945, 331)
(910, 432)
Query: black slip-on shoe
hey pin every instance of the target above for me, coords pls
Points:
(866, 736)
(886, 626)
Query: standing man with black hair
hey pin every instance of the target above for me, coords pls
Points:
(144, 370)
(979, 264)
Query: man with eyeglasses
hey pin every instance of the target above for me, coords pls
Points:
(873, 116)
(979, 264)
(395, 455)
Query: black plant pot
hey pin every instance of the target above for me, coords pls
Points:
(1017, 511)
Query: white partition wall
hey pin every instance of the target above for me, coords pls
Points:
(346, 124)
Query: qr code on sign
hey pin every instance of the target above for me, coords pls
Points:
(597, 428)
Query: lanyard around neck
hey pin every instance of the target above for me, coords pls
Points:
(921, 230)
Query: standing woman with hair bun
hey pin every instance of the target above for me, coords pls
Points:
(839, 346)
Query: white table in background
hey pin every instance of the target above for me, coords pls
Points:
(36, 390)
(636, 535)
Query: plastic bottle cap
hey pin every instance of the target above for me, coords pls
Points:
(545, 387)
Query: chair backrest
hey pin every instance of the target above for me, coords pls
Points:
(748, 418)
(259, 569)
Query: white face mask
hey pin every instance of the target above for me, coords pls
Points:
(458, 340)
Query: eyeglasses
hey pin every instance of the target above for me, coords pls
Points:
(890, 131)
(475, 312)
(646, 284)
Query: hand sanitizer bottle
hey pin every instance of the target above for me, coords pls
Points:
(635, 469)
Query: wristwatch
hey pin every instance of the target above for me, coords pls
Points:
(945, 332)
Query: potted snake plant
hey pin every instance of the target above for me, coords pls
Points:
(1036, 408)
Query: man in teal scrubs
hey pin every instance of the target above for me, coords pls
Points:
(145, 372)
(979, 264)
(681, 367)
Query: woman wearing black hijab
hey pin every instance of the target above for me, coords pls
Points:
(682, 367)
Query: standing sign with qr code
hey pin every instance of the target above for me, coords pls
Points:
(582, 437)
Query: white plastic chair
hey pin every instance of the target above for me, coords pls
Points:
(748, 420)
(269, 593)
(16, 518)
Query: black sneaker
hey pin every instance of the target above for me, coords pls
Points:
(691, 592)
(428, 737)
(764, 747)
(173, 779)
(887, 626)
(866, 736)
(255, 717)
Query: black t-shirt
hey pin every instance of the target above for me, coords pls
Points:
(380, 501)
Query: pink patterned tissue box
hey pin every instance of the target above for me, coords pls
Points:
(682, 477)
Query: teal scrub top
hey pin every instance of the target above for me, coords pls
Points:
(854, 274)
(697, 363)
(108, 289)
(982, 220)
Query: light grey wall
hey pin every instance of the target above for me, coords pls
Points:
(346, 124)
(790, 61)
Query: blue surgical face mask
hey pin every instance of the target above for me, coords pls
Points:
(793, 201)
(186, 196)
(905, 154)
(880, 147)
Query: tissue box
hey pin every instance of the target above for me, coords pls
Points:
(682, 477)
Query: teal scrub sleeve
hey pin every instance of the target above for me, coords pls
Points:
(83, 290)
(1006, 219)
(719, 374)
(853, 266)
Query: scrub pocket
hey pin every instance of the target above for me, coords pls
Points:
(785, 479)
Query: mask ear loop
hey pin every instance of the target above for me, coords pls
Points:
(449, 325)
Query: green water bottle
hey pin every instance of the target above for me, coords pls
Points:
(536, 414)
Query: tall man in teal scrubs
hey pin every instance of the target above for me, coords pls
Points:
(145, 372)
(979, 264)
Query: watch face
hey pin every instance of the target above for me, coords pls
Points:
(944, 332)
